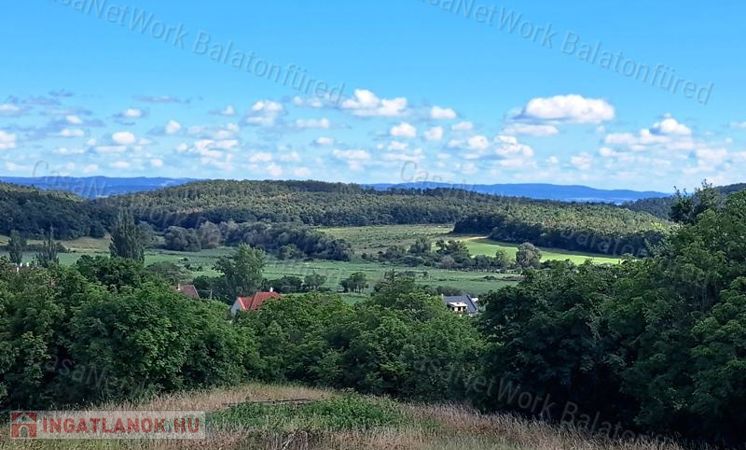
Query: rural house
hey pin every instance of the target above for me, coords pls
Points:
(189, 290)
(462, 304)
(254, 302)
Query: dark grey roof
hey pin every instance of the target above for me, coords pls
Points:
(471, 306)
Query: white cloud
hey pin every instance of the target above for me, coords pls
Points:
(358, 155)
(366, 104)
(582, 161)
(290, 157)
(404, 129)
(72, 132)
(73, 120)
(508, 146)
(439, 113)
(434, 134)
(229, 131)
(229, 110)
(322, 123)
(260, 157)
(156, 162)
(739, 125)
(265, 113)
(9, 109)
(7, 140)
(224, 144)
(172, 127)
(324, 140)
(132, 113)
(398, 146)
(13, 167)
(64, 151)
(530, 129)
(414, 156)
(274, 170)
(120, 165)
(110, 149)
(302, 172)
(463, 126)
(90, 168)
(123, 138)
(667, 134)
(478, 142)
(568, 108)
(669, 126)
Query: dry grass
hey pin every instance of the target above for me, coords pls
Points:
(432, 427)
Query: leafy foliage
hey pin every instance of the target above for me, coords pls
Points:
(127, 239)
(16, 247)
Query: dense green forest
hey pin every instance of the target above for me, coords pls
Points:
(661, 207)
(656, 345)
(571, 226)
(33, 212)
(563, 225)
(578, 227)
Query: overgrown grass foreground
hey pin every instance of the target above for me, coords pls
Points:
(289, 418)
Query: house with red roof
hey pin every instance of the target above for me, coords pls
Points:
(189, 290)
(254, 302)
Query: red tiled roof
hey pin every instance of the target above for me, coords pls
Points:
(189, 290)
(255, 301)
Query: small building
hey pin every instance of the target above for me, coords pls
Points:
(254, 302)
(462, 304)
(189, 290)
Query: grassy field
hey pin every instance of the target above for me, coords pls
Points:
(480, 245)
(372, 239)
(201, 263)
(294, 418)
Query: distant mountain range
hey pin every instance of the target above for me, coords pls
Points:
(539, 191)
(97, 187)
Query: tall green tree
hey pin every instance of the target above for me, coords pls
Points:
(242, 271)
(356, 282)
(16, 247)
(47, 255)
(127, 240)
(314, 281)
(528, 256)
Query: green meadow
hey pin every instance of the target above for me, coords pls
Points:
(372, 239)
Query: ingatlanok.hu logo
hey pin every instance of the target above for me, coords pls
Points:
(107, 425)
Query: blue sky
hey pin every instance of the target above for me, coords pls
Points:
(612, 94)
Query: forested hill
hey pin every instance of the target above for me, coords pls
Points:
(33, 212)
(599, 228)
(661, 206)
(573, 226)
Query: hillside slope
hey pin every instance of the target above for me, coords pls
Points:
(336, 204)
(289, 418)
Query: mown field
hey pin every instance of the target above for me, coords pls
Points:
(372, 239)
(290, 417)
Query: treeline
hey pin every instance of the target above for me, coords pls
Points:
(575, 227)
(113, 331)
(454, 254)
(33, 212)
(191, 206)
(285, 241)
(661, 341)
(661, 207)
(653, 346)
